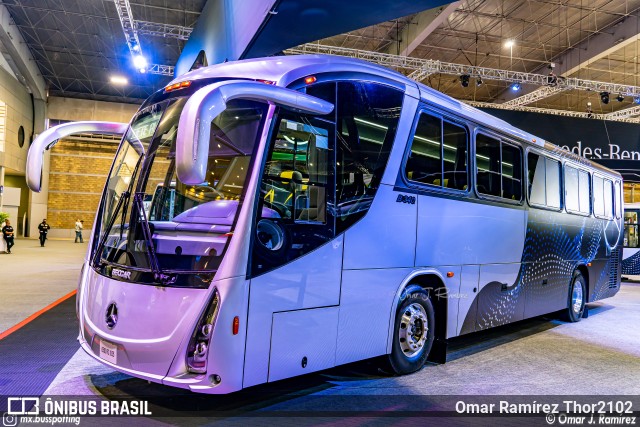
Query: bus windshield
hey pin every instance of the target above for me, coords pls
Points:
(158, 229)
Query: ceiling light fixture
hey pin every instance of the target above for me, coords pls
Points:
(119, 80)
(464, 80)
(604, 97)
(620, 97)
(140, 62)
(515, 87)
(509, 44)
(479, 81)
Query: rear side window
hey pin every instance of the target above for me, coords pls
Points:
(499, 168)
(438, 155)
(544, 181)
(602, 197)
(576, 190)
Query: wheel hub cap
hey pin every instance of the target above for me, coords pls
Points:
(414, 329)
(576, 297)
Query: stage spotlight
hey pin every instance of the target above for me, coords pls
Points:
(515, 87)
(589, 111)
(604, 97)
(479, 82)
(464, 80)
(636, 99)
(552, 79)
(620, 97)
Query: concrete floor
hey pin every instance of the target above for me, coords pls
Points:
(33, 276)
(598, 356)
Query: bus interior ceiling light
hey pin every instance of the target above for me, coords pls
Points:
(119, 80)
(604, 97)
(464, 80)
(515, 87)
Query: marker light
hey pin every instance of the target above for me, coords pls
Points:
(176, 86)
(118, 80)
(310, 79)
(236, 325)
(268, 82)
(450, 274)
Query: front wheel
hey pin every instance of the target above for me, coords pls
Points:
(577, 298)
(413, 332)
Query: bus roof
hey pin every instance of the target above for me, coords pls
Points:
(283, 70)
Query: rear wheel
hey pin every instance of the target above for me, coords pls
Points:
(413, 332)
(577, 298)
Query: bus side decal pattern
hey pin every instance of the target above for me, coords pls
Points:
(552, 251)
(631, 265)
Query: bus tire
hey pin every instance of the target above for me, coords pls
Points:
(576, 299)
(413, 331)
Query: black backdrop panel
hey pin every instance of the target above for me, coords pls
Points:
(615, 145)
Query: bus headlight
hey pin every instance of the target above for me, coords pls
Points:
(198, 349)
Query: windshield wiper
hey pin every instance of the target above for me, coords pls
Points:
(123, 197)
(141, 216)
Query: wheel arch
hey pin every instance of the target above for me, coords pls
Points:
(430, 280)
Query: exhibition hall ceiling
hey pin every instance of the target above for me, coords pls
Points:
(78, 45)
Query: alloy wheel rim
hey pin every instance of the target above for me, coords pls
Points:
(577, 297)
(414, 329)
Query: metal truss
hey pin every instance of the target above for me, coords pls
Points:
(424, 67)
(162, 30)
(164, 70)
(128, 27)
(565, 113)
(622, 114)
(536, 95)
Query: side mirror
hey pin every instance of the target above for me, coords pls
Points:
(192, 144)
(50, 137)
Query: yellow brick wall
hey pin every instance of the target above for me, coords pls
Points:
(77, 176)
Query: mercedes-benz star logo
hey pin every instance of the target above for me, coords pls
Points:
(111, 317)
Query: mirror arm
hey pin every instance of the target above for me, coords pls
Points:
(192, 144)
(50, 137)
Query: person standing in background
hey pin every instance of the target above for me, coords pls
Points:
(7, 234)
(79, 227)
(44, 229)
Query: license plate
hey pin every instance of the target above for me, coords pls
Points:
(109, 352)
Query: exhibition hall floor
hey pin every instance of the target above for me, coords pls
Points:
(541, 356)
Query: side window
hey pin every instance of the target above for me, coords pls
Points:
(598, 196)
(553, 183)
(499, 168)
(322, 172)
(618, 200)
(543, 181)
(572, 189)
(488, 162)
(367, 119)
(424, 164)
(584, 193)
(438, 155)
(536, 179)
(608, 198)
(296, 193)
